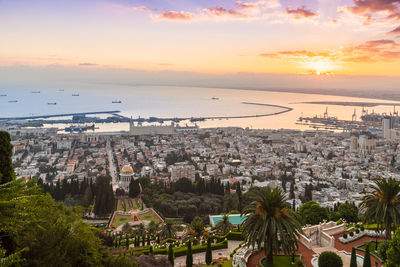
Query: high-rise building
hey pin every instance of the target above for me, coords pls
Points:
(387, 126)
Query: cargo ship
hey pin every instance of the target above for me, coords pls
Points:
(75, 94)
(51, 103)
(117, 102)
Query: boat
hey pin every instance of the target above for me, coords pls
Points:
(12, 101)
(75, 94)
(117, 102)
(61, 90)
(51, 103)
(214, 98)
(78, 128)
(3, 95)
(35, 92)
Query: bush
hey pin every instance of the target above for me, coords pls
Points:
(357, 231)
(351, 234)
(382, 248)
(345, 236)
(362, 228)
(329, 259)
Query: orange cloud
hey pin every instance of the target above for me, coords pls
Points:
(370, 51)
(300, 13)
(223, 12)
(369, 8)
(177, 15)
(395, 31)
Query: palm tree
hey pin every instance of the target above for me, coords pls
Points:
(271, 223)
(168, 229)
(382, 205)
(224, 225)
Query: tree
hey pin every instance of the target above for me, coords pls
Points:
(54, 234)
(168, 229)
(353, 260)
(382, 249)
(171, 254)
(224, 225)
(348, 212)
(87, 197)
(151, 250)
(104, 202)
(208, 252)
(6, 169)
(381, 205)
(134, 188)
(270, 221)
(367, 258)
(312, 213)
(393, 252)
(189, 255)
(329, 259)
(291, 191)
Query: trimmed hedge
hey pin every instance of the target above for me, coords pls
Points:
(236, 236)
(181, 251)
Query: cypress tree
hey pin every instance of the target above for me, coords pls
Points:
(148, 240)
(367, 258)
(143, 241)
(353, 261)
(151, 251)
(6, 169)
(208, 252)
(171, 255)
(127, 242)
(189, 256)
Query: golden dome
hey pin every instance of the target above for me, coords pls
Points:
(127, 170)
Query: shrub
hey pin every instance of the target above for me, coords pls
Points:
(345, 236)
(382, 248)
(362, 228)
(357, 231)
(351, 234)
(357, 226)
(329, 259)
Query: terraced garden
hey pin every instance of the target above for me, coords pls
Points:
(121, 219)
(149, 216)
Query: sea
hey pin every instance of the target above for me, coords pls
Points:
(171, 102)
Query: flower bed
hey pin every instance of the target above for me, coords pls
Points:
(358, 236)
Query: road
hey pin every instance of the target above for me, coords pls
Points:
(111, 164)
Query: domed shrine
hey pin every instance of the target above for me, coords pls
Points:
(125, 177)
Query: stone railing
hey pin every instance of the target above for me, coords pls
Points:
(327, 240)
(307, 242)
(337, 229)
(356, 236)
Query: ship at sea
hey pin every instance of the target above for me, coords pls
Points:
(35, 92)
(3, 95)
(75, 94)
(214, 98)
(51, 103)
(12, 101)
(117, 102)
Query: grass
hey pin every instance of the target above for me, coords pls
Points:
(121, 219)
(149, 216)
(280, 261)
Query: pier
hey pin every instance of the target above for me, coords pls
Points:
(80, 117)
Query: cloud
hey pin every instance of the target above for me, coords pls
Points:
(177, 15)
(223, 12)
(141, 8)
(395, 31)
(87, 64)
(371, 51)
(373, 10)
(300, 13)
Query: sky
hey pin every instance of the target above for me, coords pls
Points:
(351, 38)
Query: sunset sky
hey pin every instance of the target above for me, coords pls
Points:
(315, 37)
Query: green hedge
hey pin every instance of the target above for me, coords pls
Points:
(181, 251)
(237, 236)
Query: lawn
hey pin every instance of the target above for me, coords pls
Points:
(149, 216)
(121, 219)
(280, 261)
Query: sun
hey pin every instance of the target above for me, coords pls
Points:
(320, 66)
